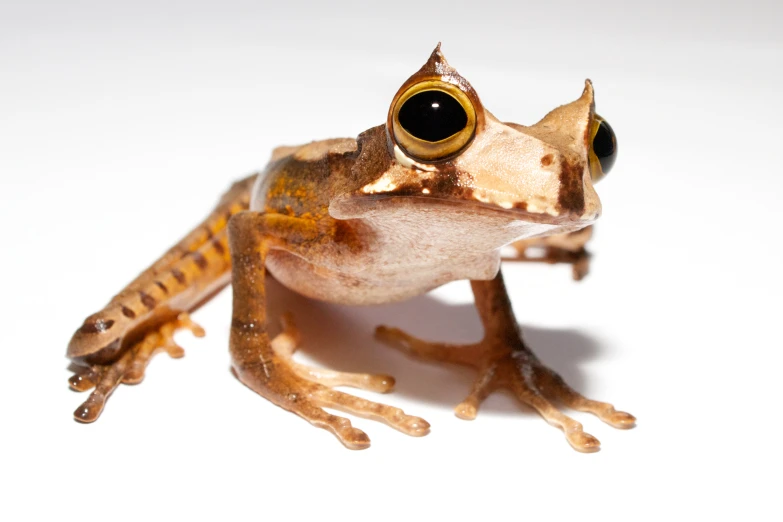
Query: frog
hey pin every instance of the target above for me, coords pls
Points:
(430, 196)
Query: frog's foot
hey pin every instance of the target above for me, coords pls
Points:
(578, 259)
(520, 371)
(129, 368)
(305, 390)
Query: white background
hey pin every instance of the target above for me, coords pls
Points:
(122, 123)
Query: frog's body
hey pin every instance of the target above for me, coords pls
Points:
(411, 249)
(384, 217)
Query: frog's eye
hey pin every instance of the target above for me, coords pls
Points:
(603, 149)
(433, 121)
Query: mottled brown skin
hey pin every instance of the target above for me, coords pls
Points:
(359, 221)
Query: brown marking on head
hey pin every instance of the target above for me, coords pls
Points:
(200, 260)
(218, 246)
(372, 155)
(208, 232)
(376, 175)
(162, 287)
(546, 160)
(178, 275)
(571, 197)
(148, 301)
(448, 183)
(127, 312)
(97, 326)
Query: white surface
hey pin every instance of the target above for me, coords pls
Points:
(108, 111)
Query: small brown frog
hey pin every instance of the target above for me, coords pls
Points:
(427, 198)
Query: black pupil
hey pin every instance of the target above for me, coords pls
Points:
(432, 116)
(605, 146)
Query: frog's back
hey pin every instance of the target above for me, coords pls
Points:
(300, 180)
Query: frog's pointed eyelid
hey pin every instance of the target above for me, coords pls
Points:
(436, 56)
(603, 140)
(588, 87)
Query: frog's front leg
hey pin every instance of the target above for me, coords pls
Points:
(504, 361)
(265, 366)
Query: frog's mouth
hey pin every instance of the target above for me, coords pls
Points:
(360, 205)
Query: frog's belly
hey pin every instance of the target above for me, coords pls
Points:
(361, 288)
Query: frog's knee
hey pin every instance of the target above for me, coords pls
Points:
(99, 338)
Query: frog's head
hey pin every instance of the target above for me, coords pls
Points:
(439, 144)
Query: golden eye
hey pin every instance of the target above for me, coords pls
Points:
(433, 121)
(603, 149)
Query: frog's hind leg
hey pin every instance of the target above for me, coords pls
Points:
(265, 365)
(115, 345)
(568, 248)
(130, 367)
(504, 361)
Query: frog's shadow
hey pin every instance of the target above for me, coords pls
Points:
(341, 338)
